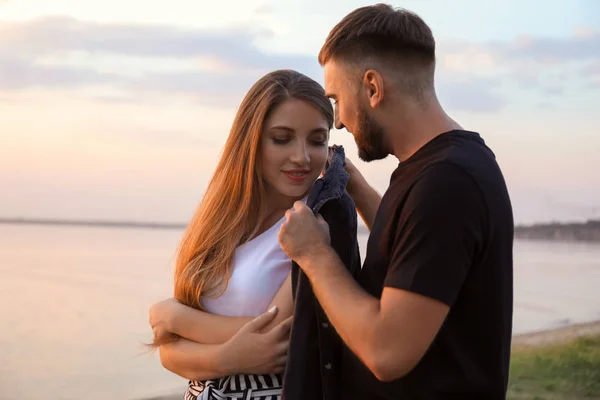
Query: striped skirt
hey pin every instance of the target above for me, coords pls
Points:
(244, 387)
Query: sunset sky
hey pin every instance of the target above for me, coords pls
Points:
(119, 109)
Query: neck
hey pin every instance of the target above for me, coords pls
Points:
(414, 125)
(278, 203)
(273, 210)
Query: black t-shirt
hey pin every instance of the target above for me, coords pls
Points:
(444, 230)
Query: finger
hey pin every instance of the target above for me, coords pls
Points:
(285, 326)
(348, 162)
(302, 209)
(276, 367)
(282, 348)
(160, 333)
(280, 362)
(278, 370)
(282, 330)
(288, 214)
(299, 205)
(322, 223)
(151, 313)
(262, 320)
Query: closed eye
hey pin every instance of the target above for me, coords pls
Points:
(280, 141)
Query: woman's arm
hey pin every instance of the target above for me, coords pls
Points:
(284, 302)
(170, 316)
(250, 351)
(191, 360)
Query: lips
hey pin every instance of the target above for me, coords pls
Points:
(297, 176)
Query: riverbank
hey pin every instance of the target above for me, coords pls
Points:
(555, 336)
(561, 363)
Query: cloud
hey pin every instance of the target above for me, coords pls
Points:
(237, 61)
(547, 67)
(470, 76)
(592, 72)
(51, 35)
(583, 45)
(475, 94)
(553, 90)
(18, 73)
(264, 9)
(554, 50)
(545, 105)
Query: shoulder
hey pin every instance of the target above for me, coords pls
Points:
(444, 190)
(432, 178)
(447, 174)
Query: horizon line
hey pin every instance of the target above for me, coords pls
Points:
(183, 225)
(99, 223)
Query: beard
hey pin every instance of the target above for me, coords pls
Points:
(370, 138)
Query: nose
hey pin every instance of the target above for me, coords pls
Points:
(337, 123)
(300, 155)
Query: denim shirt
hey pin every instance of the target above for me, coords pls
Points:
(313, 361)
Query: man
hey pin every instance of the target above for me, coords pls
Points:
(431, 314)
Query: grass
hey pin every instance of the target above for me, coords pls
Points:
(564, 371)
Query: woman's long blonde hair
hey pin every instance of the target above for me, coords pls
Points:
(233, 207)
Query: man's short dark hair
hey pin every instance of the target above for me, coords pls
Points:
(382, 33)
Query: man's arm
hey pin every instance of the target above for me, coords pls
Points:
(389, 335)
(438, 232)
(365, 197)
(203, 327)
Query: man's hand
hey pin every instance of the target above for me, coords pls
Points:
(303, 234)
(253, 351)
(365, 197)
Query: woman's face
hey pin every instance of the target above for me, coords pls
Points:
(294, 149)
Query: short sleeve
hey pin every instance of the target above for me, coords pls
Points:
(440, 229)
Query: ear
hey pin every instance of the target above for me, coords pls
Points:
(373, 85)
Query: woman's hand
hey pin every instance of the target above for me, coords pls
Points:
(160, 319)
(253, 351)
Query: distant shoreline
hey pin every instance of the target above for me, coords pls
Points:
(588, 231)
(82, 223)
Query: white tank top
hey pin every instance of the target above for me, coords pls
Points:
(259, 268)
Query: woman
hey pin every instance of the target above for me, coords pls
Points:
(230, 269)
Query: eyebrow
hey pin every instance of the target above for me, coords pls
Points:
(282, 128)
(288, 129)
